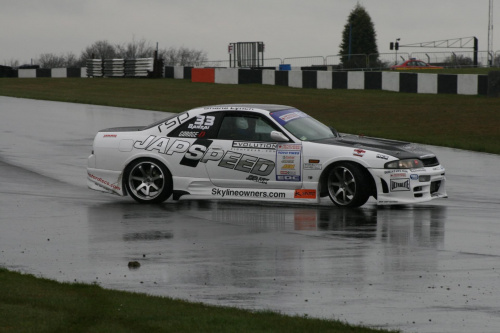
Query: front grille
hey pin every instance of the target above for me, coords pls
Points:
(430, 162)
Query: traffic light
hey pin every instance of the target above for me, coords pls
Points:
(394, 46)
(391, 45)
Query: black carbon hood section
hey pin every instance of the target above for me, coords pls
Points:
(398, 149)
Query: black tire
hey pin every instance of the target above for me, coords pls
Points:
(348, 185)
(148, 181)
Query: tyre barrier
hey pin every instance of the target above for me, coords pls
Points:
(141, 67)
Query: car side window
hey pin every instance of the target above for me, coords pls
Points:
(245, 128)
(202, 126)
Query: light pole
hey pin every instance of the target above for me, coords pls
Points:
(490, 33)
(396, 47)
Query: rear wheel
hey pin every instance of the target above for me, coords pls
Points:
(148, 181)
(348, 185)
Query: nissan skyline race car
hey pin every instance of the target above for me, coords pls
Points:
(259, 152)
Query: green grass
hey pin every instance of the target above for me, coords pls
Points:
(466, 122)
(29, 304)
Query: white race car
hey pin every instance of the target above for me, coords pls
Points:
(259, 152)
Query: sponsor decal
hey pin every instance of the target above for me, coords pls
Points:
(288, 162)
(202, 122)
(398, 175)
(199, 151)
(402, 184)
(257, 179)
(103, 181)
(254, 145)
(418, 170)
(396, 171)
(232, 108)
(290, 116)
(288, 178)
(246, 193)
(359, 152)
(247, 163)
(414, 177)
(383, 157)
(290, 146)
(312, 166)
(285, 116)
(188, 134)
(109, 136)
(195, 152)
(305, 194)
(174, 122)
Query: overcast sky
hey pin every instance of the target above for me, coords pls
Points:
(291, 28)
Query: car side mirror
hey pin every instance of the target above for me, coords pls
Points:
(278, 137)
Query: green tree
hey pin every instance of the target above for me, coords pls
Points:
(359, 40)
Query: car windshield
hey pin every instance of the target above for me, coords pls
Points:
(302, 126)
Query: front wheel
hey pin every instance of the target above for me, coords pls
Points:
(148, 181)
(348, 185)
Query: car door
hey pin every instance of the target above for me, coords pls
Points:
(244, 156)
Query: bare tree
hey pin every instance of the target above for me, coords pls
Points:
(459, 60)
(11, 63)
(50, 60)
(101, 50)
(183, 56)
(135, 49)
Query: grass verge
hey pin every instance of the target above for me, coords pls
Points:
(466, 122)
(29, 304)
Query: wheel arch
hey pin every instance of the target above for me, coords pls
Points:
(135, 159)
(323, 190)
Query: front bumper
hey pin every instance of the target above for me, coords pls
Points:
(407, 186)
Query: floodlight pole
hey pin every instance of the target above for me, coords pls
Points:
(490, 33)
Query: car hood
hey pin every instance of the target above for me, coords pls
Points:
(398, 149)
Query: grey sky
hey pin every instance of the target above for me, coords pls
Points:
(293, 28)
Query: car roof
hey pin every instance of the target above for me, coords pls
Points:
(250, 107)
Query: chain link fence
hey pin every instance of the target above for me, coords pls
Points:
(379, 61)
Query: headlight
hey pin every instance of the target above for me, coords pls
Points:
(404, 164)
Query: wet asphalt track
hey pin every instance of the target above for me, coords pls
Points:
(432, 267)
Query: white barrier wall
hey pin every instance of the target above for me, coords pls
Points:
(59, 72)
(295, 79)
(390, 81)
(268, 76)
(467, 84)
(427, 83)
(27, 73)
(178, 72)
(324, 80)
(355, 80)
(226, 75)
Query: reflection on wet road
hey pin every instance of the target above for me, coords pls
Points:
(422, 268)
